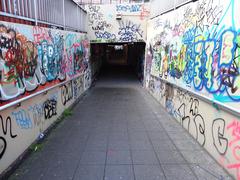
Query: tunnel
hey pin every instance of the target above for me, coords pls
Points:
(120, 60)
(119, 89)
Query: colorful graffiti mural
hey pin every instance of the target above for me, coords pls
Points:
(197, 47)
(34, 58)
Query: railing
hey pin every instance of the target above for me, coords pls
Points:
(44, 91)
(204, 98)
(159, 8)
(109, 1)
(65, 14)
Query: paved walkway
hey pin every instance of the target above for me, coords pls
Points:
(119, 132)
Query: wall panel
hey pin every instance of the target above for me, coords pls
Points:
(47, 68)
(192, 68)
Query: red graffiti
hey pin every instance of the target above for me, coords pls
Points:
(40, 34)
(19, 55)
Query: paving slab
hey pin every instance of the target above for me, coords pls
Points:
(118, 131)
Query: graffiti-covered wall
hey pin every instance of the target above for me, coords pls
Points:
(103, 26)
(192, 64)
(197, 48)
(35, 60)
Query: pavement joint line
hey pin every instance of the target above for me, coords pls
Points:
(160, 165)
(171, 138)
(79, 160)
(131, 154)
(105, 164)
(144, 107)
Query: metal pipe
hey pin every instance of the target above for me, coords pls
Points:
(30, 8)
(64, 20)
(204, 98)
(15, 7)
(22, 8)
(26, 8)
(78, 26)
(19, 8)
(51, 24)
(4, 5)
(35, 12)
(37, 93)
(9, 7)
(16, 16)
(172, 9)
(51, 10)
(45, 12)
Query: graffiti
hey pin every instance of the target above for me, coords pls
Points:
(5, 129)
(33, 60)
(101, 26)
(78, 87)
(40, 34)
(158, 23)
(140, 9)
(66, 93)
(190, 117)
(87, 79)
(18, 64)
(144, 12)
(50, 108)
(219, 141)
(50, 53)
(37, 113)
(23, 119)
(105, 35)
(94, 14)
(105, 28)
(198, 50)
(170, 107)
(27, 66)
(234, 129)
(128, 7)
(75, 55)
(196, 47)
(207, 14)
(151, 86)
(129, 31)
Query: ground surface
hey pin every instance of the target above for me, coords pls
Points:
(119, 132)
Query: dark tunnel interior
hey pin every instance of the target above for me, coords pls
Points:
(118, 61)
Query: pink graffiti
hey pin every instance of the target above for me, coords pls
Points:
(235, 166)
(236, 152)
(144, 12)
(235, 126)
(234, 129)
(40, 34)
(177, 30)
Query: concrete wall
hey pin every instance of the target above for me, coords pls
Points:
(33, 60)
(158, 6)
(192, 68)
(103, 26)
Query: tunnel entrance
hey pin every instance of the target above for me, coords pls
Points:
(119, 59)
